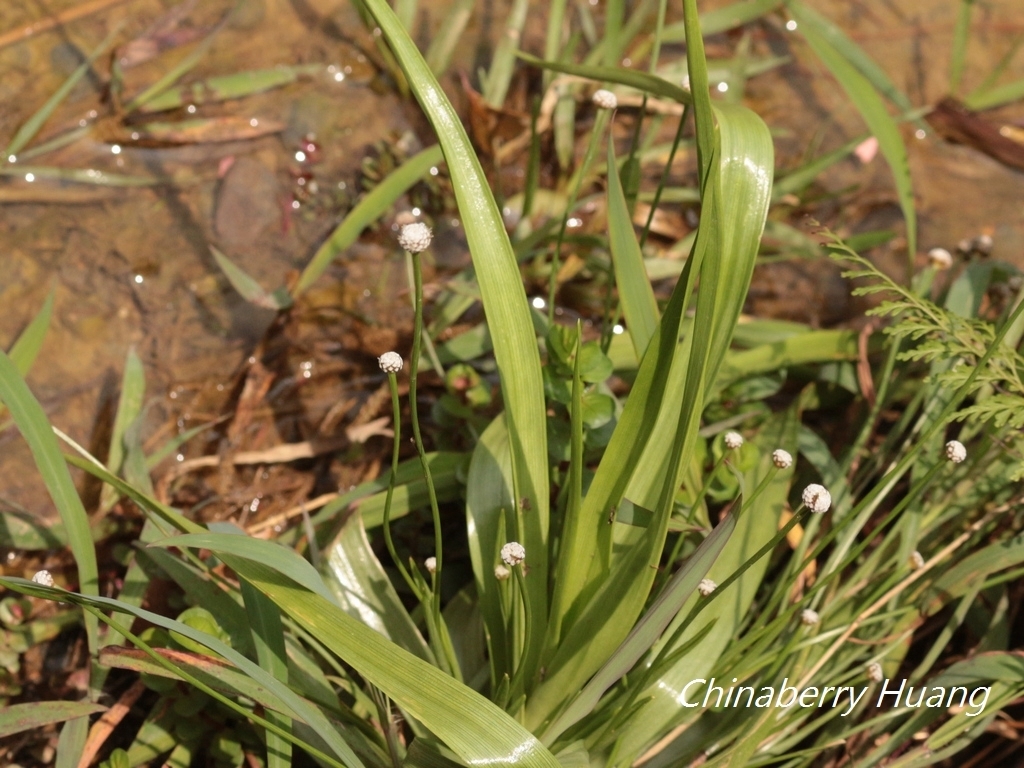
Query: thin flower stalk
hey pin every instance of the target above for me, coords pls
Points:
(600, 125)
(656, 666)
(396, 411)
(897, 589)
(414, 362)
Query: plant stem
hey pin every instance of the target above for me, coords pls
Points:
(396, 443)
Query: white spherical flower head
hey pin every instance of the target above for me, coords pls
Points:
(983, 244)
(782, 459)
(43, 577)
(605, 99)
(501, 573)
(733, 440)
(390, 362)
(415, 237)
(809, 617)
(430, 564)
(706, 587)
(513, 553)
(940, 258)
(916, 560)
(817, 498)
(955, 451)
(875, 672)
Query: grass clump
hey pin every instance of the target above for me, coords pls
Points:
(637, 530)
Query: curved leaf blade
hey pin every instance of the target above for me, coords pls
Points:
(507, 311)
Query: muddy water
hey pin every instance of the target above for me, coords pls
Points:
(132, 267)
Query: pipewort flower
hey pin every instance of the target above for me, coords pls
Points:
(817, 498)
(415, 237)
(513, 553)
(782, 459)
(605, 99)
(390, 362)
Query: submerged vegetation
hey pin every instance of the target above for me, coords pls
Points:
(634, 524)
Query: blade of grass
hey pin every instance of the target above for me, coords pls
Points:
(251, 290)
(648, 630)
(864, 94)
(31, 421)
(807, 18)
(506, 308)
(635, 293)
(26, 348)
(477, 730)
(369, 209)
(448, 37)
(28, 131)
(996, 97)
(958, 54)
(642, 81)
(495, 89)
(736, 194)
(16, 718)
(358, 581)
(225, 87)
(755, 527)
(268, 640)
(129, 406)
(90, 176)
(176, 72)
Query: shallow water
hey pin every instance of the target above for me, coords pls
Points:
(132, 267)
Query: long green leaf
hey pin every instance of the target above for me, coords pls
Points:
(507, 311)
(268, 639)
(31, 421)
(489, 497)
(635, 293)
(603, 599)
(32, 126)
(642, 81)
(248, 287)
(477, 730)
(129, 406)
(358, 581)
(864, 94)
(648, 630)
(297, 707)
(808, 18)
(369, 209)
(755, 527)
(16, 718)
(26, 348)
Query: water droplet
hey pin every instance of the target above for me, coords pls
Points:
(791, 25)
(115, 149)
(722, 87)
(300, 156)
(618, 329)
(30, 177)
(138, 279)
(538, 302)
